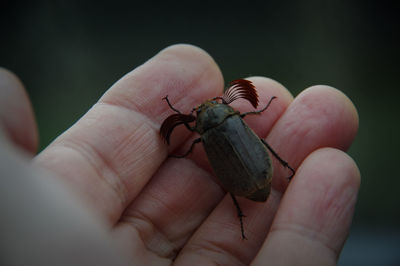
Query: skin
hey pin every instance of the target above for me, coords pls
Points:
(110, 178)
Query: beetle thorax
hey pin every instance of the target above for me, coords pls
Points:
(210, 114)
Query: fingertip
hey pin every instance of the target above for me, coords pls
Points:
(204, 77)
(272, 88)
(320, 116)
(186, 73)
(327, 182)
(16, 113)
(315, 213)
(331, 161)
(188, 51)
(333, 102)
(334, 92)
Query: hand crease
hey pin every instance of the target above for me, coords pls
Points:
(94, 159)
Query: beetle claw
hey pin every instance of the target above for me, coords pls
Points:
(293, 172)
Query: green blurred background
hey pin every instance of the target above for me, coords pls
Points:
(68, 53)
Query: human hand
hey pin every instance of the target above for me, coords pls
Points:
(161, 210)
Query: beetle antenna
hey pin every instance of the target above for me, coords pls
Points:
(170, 105)
(258, 111)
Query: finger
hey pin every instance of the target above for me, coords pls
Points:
(320, 109)
(16, 114)
(315, 214)
(320, 116)
(111, 153)
(182, 194)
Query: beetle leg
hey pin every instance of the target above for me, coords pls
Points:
(258, 111)
(170, 105)
(284, 163)
(189, 151)
(240, 214)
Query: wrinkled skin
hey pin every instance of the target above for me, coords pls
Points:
(113, 196)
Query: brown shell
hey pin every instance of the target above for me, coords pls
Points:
(171, 122)
(241, 88)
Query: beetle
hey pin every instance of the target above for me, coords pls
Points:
(237, 155)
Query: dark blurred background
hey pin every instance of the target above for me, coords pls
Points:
(68, 53)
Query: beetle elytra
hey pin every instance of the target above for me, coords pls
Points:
(237, 155)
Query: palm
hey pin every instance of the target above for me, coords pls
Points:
(164, 208)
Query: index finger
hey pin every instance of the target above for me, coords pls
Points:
(114, 149)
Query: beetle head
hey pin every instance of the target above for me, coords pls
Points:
(210, 114)
(204, 106)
